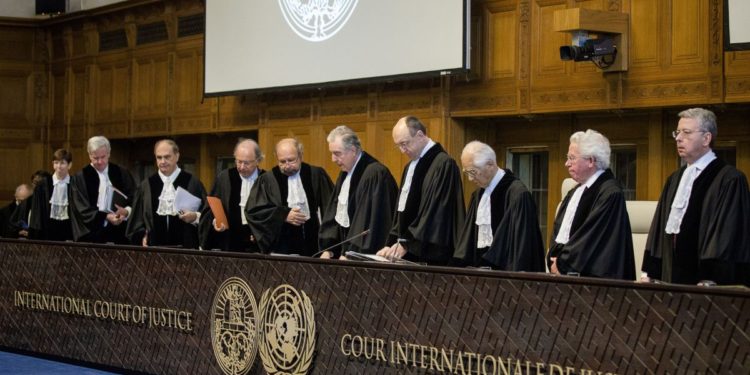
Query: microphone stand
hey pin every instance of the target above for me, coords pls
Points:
(365, 232)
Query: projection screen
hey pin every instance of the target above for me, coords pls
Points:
(269, 44)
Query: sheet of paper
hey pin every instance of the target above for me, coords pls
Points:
(186, 202)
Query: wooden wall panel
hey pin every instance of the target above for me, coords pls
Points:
(737, 75)
(503, 48)
(150, 76)
(688, 42)
(645, 34)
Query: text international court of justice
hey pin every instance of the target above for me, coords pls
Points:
(289, 187)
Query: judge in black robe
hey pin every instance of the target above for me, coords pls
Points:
(237, 237)
(179, 229)
(600, 242)
(90, 224)
(9, 223)
(41, 225)
(277, 227)
(516, 243)
(369, 205)
(5, 214)
(713, 241)
(429, 215)
(228, 188)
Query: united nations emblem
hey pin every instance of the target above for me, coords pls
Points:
(234, 327)
(287, 331)
(317, 20)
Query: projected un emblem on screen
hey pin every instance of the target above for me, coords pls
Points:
(317, 20)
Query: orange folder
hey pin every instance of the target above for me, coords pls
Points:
(218, 210)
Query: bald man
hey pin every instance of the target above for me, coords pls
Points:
(430, 206)
(23, 191)
(284, 212)
(156, 219)
(233, 187)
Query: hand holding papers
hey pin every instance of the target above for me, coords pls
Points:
(218, 210)
(186, 202)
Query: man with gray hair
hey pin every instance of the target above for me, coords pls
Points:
(233, 187)
(95, 218)
(501, 229)
(700, 234)
(591, 235)
(362, 200)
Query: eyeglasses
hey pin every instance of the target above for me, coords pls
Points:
(573, 158)
(471, 172)
(289, 161)
(685, 132)
(244, 163)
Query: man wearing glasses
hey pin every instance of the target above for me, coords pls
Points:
(233, 187)
(284, 212)
(430, 207)
(501, 230)
(701, 229)
(591, 235)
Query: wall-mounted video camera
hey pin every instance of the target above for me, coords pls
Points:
(601, 51)
(597, 36)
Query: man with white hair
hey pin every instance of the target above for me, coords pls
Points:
(233, 187)
(592, 235)
(94, 219)
(501, 229)
(362, 200)
(701, 228)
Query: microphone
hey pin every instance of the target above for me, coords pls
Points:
(364, 232)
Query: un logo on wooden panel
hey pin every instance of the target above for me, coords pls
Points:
(317, 20)
(234, 327)
(286, 331)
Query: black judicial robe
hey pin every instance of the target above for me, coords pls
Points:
(163, 230)
(41, 226)
(267, 210)
(516, 240)
(227, 187)
(87, 220)
(5, 223)
(601, 242)
(372, 195)
(434, 212)
(714, 239)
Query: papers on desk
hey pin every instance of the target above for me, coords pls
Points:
(353, 255)
(186, 202)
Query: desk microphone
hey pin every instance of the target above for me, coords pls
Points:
(364, 232)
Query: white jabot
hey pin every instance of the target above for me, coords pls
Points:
(59, 201)
(247, 185)
(105, 190)
(682, 196)
(570, 212)
(296, 196)
(409, 175)
(342, 207)
(484, 212)
(167, 196)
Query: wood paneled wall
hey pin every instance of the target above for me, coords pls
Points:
(57, 88)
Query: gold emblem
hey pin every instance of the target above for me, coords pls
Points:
(234, 327)
(287, 331)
